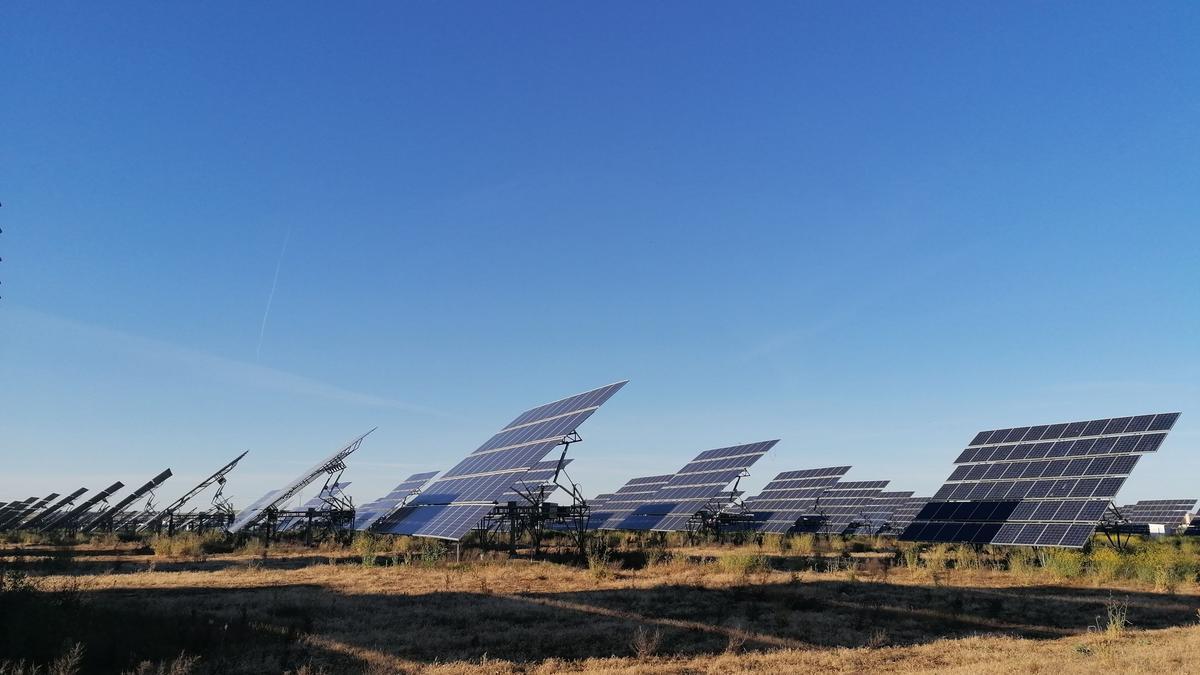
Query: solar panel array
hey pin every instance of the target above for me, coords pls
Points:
(904, 514)
(273, 499)
(621, 504)
(39, 518)
(1169, 512)
(697, 487)
(454, 504)
(877, 514)
(366, 515)
(16, 512)
(843, 504)
(790, 496)
(1045, 485)
(69, 518)
(321, 502)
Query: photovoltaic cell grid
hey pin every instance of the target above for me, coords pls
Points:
(904, 514)
(842, 505)
(698, 486)
(620, 505)
(540, 475)
(877, 514)
(455, 503)
(1169, 512)
(1045, 485)
(789, 496)
(366, 515)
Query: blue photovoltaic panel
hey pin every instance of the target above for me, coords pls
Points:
(877, 515)
(694, 489)
(790, 496)
(621, 504)
(1171, 513)
(1045, 485)
(484, 476)
(842, 506)
(365, 516)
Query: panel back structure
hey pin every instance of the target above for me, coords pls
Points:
(156, 520)
(325, 499)
(116, 510)
(334, 464)
(38, 519)
(790, 496)
(697, 487)
(843, 505)
(16, 512)
(460, 499)
(72, 517)
(1045, 485)
(365, 516)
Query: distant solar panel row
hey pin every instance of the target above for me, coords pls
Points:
(1048, 489)
(454, 505)
(790, 496)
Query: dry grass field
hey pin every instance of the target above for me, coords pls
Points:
(380, 607)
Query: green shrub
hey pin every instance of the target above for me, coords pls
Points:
(743, 563)
(1063, 563)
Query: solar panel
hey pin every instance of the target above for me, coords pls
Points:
(843, 505)
(117, 509)
(333, 464)
(1045, 485)
(69, 519)
(790, 496)
(365, 516)
(154, 520)
(454, 504)
(539, 478)
(698, 486)
(328, 494)
(621, 503)
(904, 514)
(877, 515)
(39, 518)
(1171, 513)
(16, 512)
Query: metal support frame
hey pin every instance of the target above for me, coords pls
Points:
(528, 520)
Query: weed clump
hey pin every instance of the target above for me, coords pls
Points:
(743, 563)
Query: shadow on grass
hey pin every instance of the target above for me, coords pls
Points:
(256, 630)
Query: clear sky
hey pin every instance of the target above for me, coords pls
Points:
(870, 231)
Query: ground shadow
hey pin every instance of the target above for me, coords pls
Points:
(271, 629)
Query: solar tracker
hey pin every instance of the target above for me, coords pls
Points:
(16, 512)
(454, 504)
(903, 516)
(790, 496)
(328, 495)
(69, 518)
(366, 515)
(1193, 528)
(1046, 485)
(331, 465)
(539, 479)
(49, 512)
(620, 504)
(117, 509)
(155, 521)
(843, 505)
(1171, 513)
(697, 487)
(877, 514)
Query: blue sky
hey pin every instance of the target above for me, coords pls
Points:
(869, 231)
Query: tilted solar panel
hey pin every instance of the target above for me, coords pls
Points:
(877, 514)
(843, 505)
(1171, 513)
(1046, 485)
(904, 514)
(790, 496)
(621, 504)
(366, 515)
(454, 504)
(697, 487)
(321, 502)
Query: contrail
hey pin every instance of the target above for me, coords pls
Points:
(262, 329)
